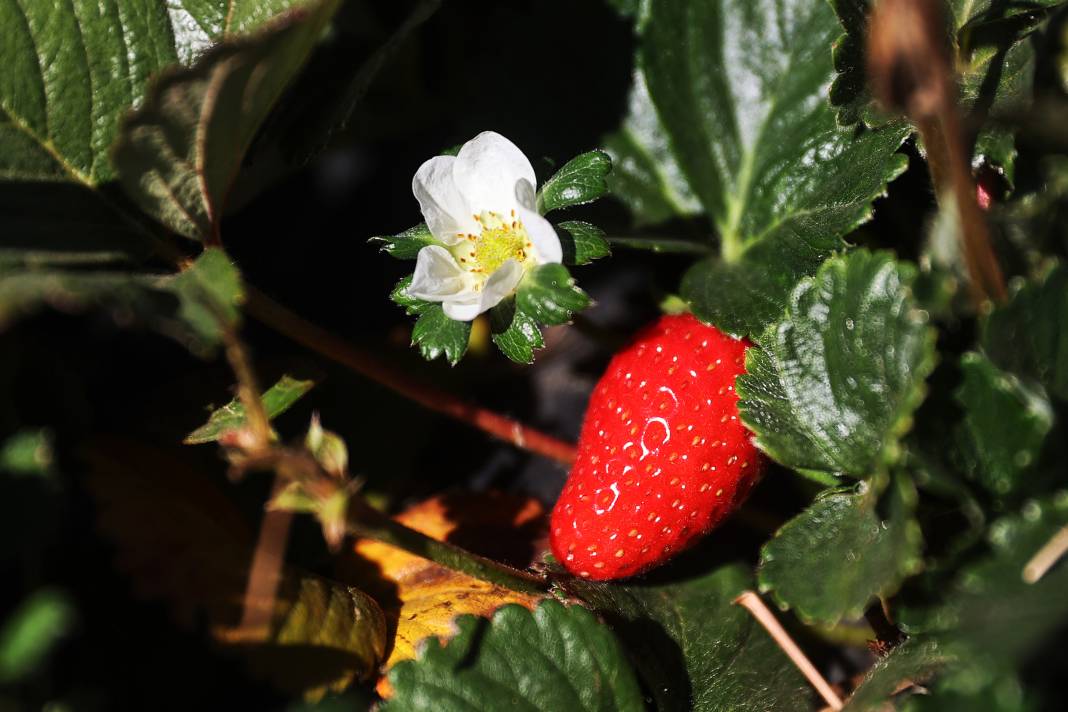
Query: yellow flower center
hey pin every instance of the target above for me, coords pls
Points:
(502, 239)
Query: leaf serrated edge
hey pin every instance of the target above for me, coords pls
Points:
(909, 566)
(900, 426)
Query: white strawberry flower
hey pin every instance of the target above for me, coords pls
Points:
(480, 207)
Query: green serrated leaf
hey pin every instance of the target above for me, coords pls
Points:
(70, 73)
(549, 295)
(178, 153)
(645, 175)
(747, 133)
(276, 400)
(1028, 335)
(581, 180)
(438, 335)
(862, 547)
(695, 650)
(515, 332)
(916, 660)
(554, 658)
(407, 244)
(400, 296)
(582, 242)
(1005, 424)
(834, 386)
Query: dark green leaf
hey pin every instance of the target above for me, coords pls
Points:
(695, 649)
(837, 380)
(581, 180)
(1028, 335)
(515, 332)
(400, 296)
(645, 175)
(553, 659)
(189, 307)
(988, 612)
(407, 244)
(915, 660)
(1005, 424)
(209, 292)
(31, 632)
(437, 335)
(549, 296)
(745, 111)
(70, 73)
(276, 400)
(862, 547)
(178, 153)
(582, 242)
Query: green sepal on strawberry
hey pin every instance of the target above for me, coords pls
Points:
(663, 457)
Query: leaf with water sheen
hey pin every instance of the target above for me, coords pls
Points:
(740, 91)
(581, 180)
(837, 379)
(862, 547)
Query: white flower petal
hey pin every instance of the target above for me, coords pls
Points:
(488, 168)
(541, 233)
(462, 311)
(444, 205)
(525, 195)
(437, 275)
(500, 284)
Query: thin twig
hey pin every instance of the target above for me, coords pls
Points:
(265, 573)
(766, 618)
(1050, 553)
(912, 69)
(319, 340)
(248, 389)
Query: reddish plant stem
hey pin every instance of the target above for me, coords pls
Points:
(265, 573)
(319, 340)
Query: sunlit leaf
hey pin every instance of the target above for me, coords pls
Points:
(276, 400)
(554, 658)
(834, 386)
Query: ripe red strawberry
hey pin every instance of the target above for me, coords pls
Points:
(663, 457)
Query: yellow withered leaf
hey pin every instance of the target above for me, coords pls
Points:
(421, 598)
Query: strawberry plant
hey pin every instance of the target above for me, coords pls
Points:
(618, 355)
